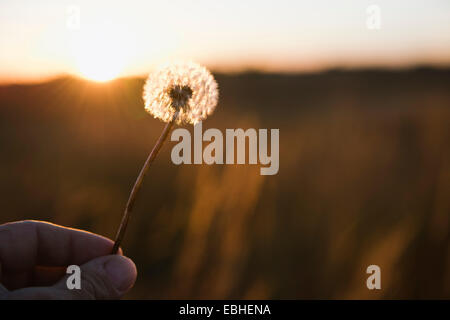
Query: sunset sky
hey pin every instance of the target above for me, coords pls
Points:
(101, 40)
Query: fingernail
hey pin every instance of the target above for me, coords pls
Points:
(121, 272)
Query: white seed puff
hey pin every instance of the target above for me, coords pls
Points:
(186, 87)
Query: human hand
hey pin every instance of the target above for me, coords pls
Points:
(34, 256)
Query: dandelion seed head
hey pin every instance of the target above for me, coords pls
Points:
(188, 88)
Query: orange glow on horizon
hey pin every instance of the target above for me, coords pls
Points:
(104, 40)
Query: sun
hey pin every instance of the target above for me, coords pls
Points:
(100, 65)
(100, 53)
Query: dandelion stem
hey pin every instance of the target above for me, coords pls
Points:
(137, 185)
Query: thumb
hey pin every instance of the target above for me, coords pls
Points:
(108, 277)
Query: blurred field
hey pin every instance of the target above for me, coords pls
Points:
(364, 179)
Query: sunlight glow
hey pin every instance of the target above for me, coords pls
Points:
(101, 52)
(103, 39)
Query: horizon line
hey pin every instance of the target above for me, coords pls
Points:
(243, 71)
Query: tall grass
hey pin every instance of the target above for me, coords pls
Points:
(364, 179)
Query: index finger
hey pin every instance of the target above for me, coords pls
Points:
(26, 244)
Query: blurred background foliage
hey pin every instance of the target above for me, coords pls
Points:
(364, 179)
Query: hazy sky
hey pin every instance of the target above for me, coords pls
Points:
(110, 38)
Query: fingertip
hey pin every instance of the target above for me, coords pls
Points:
(121, 271)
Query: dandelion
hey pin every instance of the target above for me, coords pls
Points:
(187, 88)
(176, 93)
